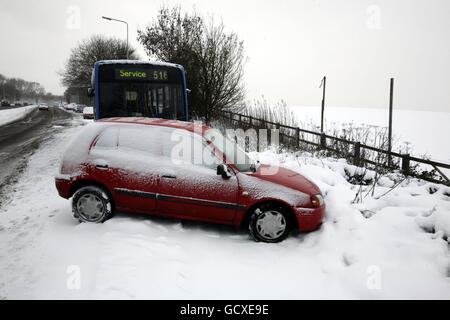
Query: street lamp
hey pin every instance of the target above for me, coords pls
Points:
(112, 19)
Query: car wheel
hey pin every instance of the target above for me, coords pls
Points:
(269, 223)
(92, 204)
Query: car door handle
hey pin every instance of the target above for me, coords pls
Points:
(102, 166)
(169, 176)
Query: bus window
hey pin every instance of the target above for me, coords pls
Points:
(167, 105)
(149, 108)
(160, 101)
(132, 102)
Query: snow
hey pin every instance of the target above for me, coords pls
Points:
(399, 252)
(11, 115)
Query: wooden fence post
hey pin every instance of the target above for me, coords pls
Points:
(323, 141)
(324, 84)
(405, 164)
(297, 137)
(257, 140)
(280, 137)
(391, 106)
(357, 153)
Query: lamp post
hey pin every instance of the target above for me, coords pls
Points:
(112, 19)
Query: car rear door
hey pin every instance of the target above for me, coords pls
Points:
(125, 159)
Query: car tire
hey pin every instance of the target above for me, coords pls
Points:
(92, 204)
(269, 223)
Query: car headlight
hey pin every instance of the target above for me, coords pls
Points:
(317, 200)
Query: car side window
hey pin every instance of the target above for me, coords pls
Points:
(210, 159)
(143, 139)
(183, 147)
(108, 139)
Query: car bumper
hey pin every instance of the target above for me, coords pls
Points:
(309, 218)
(63, 186)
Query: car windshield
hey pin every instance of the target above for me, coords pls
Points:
(242, 161)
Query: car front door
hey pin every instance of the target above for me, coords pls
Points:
(190, 186)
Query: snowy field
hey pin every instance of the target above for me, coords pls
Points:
(426, 131)
(397, 249)
(10, 115)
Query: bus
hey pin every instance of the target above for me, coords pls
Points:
(128, 88)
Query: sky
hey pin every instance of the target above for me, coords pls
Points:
(289, 45)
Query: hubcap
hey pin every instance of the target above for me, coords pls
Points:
(271, 225)
(90, 207)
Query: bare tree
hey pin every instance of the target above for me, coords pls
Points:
(78, 69)
(213, 59)
(18, 89)
(221, 85)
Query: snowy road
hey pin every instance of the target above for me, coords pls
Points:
(20, 138)
(44, 253)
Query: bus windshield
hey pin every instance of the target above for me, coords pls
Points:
(141, 100)
(140, 89)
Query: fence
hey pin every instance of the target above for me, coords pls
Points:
(295, 136)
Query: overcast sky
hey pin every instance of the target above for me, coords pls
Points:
(290, 45)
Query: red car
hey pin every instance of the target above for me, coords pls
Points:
(183, 170)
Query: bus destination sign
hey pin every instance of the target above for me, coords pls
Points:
(137, 74)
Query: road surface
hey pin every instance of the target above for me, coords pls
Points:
(19, 140)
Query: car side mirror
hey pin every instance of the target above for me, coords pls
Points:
(222, 170)
(90, 92)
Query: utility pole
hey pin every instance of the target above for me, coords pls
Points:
(323, 83)
(112, 19)
(391, 105)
